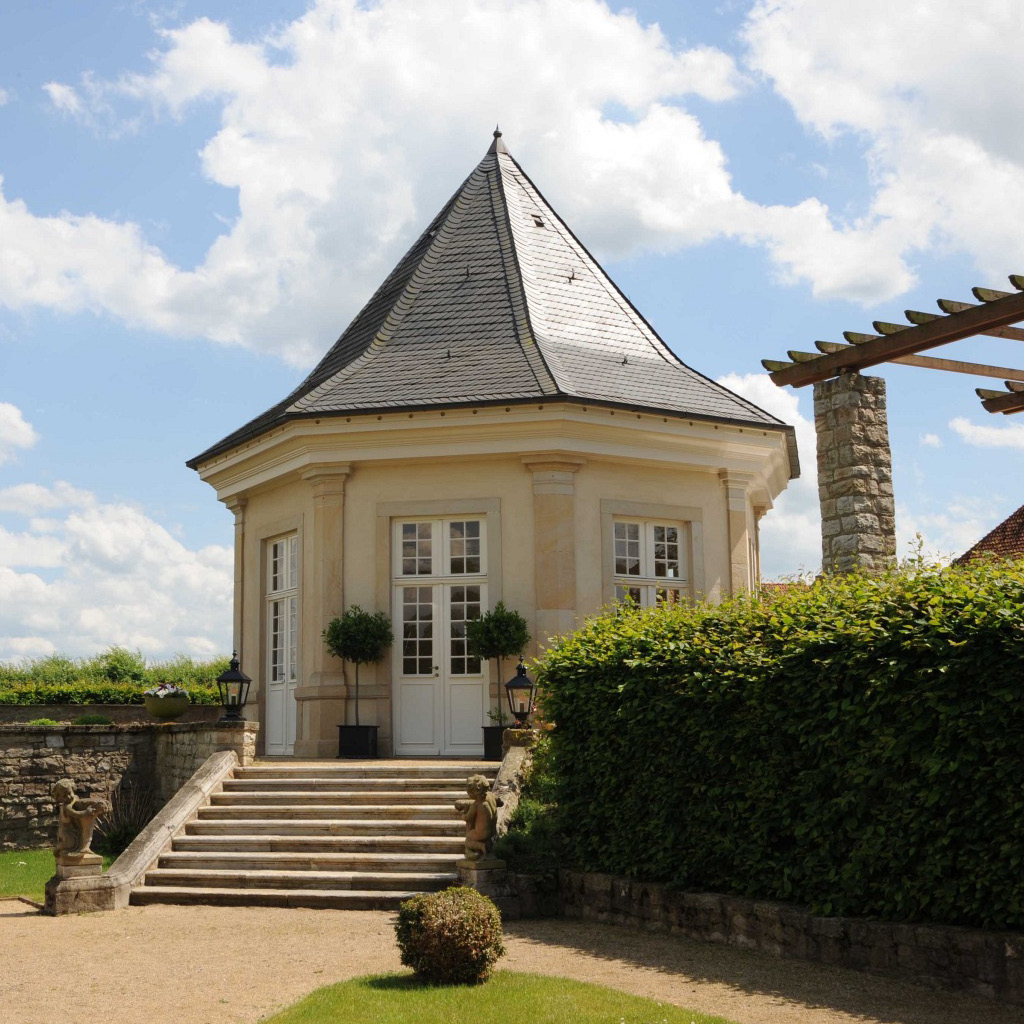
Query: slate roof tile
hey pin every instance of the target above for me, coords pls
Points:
(490, 305)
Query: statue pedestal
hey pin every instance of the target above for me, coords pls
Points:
(75, 865)
(487, 875)
(58, 898)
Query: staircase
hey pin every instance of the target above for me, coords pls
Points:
(319, 834)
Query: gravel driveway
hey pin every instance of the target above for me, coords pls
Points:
(227, 965)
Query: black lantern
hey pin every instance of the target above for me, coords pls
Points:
(234, 690)
(521, 691)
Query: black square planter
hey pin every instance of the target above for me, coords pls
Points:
(357, 741)
(492, 742)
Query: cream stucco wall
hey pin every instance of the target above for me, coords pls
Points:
(550, 482)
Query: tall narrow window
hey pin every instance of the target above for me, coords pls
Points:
(283, 610)
(649, 562)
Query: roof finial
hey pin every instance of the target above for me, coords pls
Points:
(497, 132)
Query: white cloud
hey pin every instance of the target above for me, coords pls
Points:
(5, 97)
(983, 436)
(94, 573)
(944, 534)
(791, 531)
(64, 98)
(930, 441)
(15, 431)
(932, 99)
(345, 131)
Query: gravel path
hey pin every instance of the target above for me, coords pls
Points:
(186, 965)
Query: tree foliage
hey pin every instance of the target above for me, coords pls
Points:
(856, 745)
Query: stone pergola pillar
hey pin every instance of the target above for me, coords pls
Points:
(554, 541)
(858, 516)
(321, 698)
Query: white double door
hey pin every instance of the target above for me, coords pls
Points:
(440, 691)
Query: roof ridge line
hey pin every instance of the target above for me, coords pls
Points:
(663, 349)
(507, 242)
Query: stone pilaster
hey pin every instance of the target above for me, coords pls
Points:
(236, 506)
(858, 517)
(554, 545)
(321, 698)
(740, 520)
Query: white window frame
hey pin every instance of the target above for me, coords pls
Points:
(283, 587)
(646, 587)
(440, 548)
(690, 521)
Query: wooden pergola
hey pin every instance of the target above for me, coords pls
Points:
(992, 315)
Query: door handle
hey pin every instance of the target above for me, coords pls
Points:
(437, 671)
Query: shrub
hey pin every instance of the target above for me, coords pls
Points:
(92, 720)
(533, 843)
(43, 721)
(451, 937)
(855, 746)
(120, 665)
(132, 807)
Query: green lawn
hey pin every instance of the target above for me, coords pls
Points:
(401, 999)
(25, 872)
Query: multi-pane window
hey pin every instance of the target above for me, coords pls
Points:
(283, 609)
(417, 631)
(440, 548)
(649, 562)
(464, 605)
(464, 547)
(441, 584)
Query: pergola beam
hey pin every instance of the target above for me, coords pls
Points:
(1007, 308)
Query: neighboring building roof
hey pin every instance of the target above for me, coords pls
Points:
(497, 301)
(1005, 541)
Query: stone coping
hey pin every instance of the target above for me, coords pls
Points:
(112, 890)
(182, 727)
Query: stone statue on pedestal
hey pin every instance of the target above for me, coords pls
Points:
(480, 813)
(76, 821)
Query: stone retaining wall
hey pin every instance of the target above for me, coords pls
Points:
(119, 714)
(971, 960)
(98, 758)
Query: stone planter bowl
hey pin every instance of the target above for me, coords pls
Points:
(167, 708)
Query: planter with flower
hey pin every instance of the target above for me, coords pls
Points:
(166, 701)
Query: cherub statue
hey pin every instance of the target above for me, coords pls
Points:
(76, 819)
(480, 813)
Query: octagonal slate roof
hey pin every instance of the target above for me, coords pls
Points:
(497, 302)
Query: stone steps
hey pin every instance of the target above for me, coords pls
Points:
(338, 827)
(316, 834)
(214, 878)
(332, 811)
(314, 899)
(239, 862)
(299, 798)
(339, 785)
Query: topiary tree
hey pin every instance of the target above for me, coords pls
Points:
(451, 937)
(499, 633)
(360, 637)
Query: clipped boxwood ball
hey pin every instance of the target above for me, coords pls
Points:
(451, 937)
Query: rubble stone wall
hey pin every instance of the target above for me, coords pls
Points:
(98, 759)
(965, 959)
(858, 515)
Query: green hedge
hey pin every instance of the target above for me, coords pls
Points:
(856, 746)
(117, 676)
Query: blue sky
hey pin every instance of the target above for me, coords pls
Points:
(197, 196)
